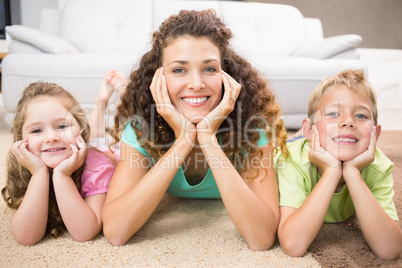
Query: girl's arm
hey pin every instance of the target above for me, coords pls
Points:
(299, 227)
(29, 222)
(136, 190)
(81, 217)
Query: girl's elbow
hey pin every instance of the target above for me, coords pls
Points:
(28, 240)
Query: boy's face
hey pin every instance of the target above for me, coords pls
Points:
(344, 120)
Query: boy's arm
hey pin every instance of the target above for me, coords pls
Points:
(299, 227)
(381, 232)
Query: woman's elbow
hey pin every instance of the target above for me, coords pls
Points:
(115, 239)
(258, 244)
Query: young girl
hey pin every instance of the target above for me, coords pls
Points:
(53, 181)
(196, 121)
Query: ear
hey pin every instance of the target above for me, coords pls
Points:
(378, 130)
(306, 127)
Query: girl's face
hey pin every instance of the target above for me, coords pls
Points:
(192, 67)
(50, 130)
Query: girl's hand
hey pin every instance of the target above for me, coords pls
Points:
(71, 164)
(181, 126)
(319, 156)
(364, 159)
(210, 124)
(26, 158)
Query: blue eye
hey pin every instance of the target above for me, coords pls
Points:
(332, 114)
(37, 130)
(210, 69)
(361, 116)
(63, 126)
(178, 70)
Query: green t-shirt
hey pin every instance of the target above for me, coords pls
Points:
(297, 177)
(179, 186)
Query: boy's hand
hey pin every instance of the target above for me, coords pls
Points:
(319, 156)
(26, 158)
(71, 164)
(364, 159)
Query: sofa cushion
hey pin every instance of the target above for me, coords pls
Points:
(328, 47)
(41, 40)
(107, 26)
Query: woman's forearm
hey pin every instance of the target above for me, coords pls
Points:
(135, 193)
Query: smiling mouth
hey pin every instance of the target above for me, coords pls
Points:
(53, 150)
(195, 100)
(345, 140)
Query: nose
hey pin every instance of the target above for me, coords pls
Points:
(347, 121)
(52, 135)
(195, 81)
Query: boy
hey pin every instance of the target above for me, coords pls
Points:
(337, 170)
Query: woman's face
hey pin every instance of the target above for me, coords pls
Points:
(192, 67)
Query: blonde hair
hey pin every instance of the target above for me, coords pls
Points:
(353, 79)
(18, 177)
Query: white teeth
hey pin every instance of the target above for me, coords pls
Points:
(54, 150)
(344, 140)
(195, 100)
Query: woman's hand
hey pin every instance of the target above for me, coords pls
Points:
(210, 124)
(26, 158)
(181, 126)
(71, 164)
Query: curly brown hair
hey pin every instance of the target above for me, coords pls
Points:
(18, 177)
(256, 107)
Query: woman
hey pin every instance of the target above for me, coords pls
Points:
(196, 121)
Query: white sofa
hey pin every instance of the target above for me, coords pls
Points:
(74, 46)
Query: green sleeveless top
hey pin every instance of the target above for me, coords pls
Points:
(179, 186)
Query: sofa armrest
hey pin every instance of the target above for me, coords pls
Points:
(328, 47)
(45, 42)
(313, 29)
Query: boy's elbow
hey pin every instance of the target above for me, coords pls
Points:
(388, 253)
(293, 248)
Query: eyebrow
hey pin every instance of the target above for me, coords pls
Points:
(336, 104)
(59, 119)
(183, 62)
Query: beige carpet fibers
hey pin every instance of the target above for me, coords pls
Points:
(188, 233)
